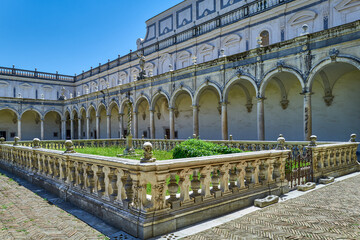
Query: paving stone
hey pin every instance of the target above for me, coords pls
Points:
(331, 212)
(24, 215)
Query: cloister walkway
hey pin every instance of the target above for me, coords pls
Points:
(328, 212)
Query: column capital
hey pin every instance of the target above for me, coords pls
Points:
(195, 106)
(224, 103)
(306, 93)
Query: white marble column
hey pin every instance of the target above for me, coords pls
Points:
(42, 129)
(307, 116)
(152, 124)
(172, 123)
(19, 128)
(136, 130)
(97, 127)
(87, 128)
(260, 119)
(79, 129)
(108, 126)
(196, 120)
(224, 121)
(121, 124)
(71, 128)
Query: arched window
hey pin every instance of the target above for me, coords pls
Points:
(264, 38)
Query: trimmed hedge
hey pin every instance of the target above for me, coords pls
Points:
(198, 148)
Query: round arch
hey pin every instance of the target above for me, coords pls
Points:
(177, 93)
(235, 80)
(139, 100)
(156, 97)
(11, 109)
(324, 63)
(202, 88)
(272, 73)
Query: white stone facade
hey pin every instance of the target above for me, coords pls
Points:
(208, 73)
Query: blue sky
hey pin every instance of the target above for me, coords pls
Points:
(72, 35)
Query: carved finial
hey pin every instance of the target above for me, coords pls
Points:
(352, 138)
(313, 139)
(194, 136)
(16, 141)
(148, 154)
(142, 136)
(69, 145)
(36, 143)
(165, 137)
(231, 137)
(2, 140)
(281, 143)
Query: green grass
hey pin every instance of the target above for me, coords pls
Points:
(113, 151)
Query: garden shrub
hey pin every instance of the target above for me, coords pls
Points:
(198, 148)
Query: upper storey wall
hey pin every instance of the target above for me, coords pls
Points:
(186, 15)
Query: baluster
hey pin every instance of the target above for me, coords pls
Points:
(70, 172)
(50, 168)
(224, 179)
(108, 177)
(184, 184)
(88, 178)
(205, 179)
(173, 189)
(195, 185)
(119, 193)
(78, 175)
(233, 180)
(241, 173)
(129, 191)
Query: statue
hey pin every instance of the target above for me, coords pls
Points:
(69, 147)
(148, 154)
(142, 62)
(62, 96)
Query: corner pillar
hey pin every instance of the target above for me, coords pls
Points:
(79, 128)
(87, 128)
(72, 128)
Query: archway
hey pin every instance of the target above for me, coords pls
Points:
(283, 106)
(335, 101)
(9, 124)
(143, 117)
(82, 130)
(67, 125)
(75, 119)
(30, 125)
(52, 126)
(209, 107)
(92, 123)
(240, 96)
(102, 122)
(183, 113)
(114, 120)
(160, 106)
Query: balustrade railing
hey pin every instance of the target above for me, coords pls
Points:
(35, 74)
(155, 190)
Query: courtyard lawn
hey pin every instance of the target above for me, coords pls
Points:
(113, 151)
